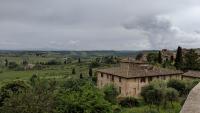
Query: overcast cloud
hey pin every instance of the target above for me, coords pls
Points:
(99, 24)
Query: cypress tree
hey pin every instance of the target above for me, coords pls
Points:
(179, 58)
(79, 60)
(65, 61)
(6, 62)
(73, 71)
(90, 72)
(159, 58)
(172, 59)
(81, 76)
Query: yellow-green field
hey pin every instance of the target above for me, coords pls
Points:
(49, 71)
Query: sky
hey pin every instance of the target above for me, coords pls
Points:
(99, 24)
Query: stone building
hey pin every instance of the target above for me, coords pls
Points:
(191, 75)
(168, 55)
(131, 76)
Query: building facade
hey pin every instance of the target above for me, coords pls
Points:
(131, 76)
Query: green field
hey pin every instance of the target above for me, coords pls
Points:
(49, 71)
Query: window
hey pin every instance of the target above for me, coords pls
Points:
(164, 77)
(120, 90)
(102, 75)
(112, 78)
(149, 79)
(142, 79)
(107, 76)
(134, 91)
(120, 80)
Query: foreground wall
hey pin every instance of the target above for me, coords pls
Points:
(192, 104)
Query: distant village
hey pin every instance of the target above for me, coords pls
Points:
(134, 73)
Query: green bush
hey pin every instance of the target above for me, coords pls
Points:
(129, 102)
(38, 67)
(179, 85)
(111, 93)
(94, 64)
(151, 111)
(12, 65)
(171, 95)
(37, 99)
(190, 84)
(53, 62)
(19, 68)
(157, 93)
(14, 87)
(85, 98)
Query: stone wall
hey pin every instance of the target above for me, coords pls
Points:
(192, 104)
(129, 87)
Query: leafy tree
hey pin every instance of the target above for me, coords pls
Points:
(37, 99)
(94, 64)
(171, 95)
(167, 64)
(53, 62)
(179, 58)
(191, 60)
(88, 99)
(152, 57)
(179, 85)
(111, 93)
(110, 60)
(75, 84)
(14, 87)
(157, 93)
(152, 95)
(73, 71)
(139, 56)
(74, 96)
(160, 57)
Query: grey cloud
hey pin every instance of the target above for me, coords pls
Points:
(158, 30)
(161, 33)
(95, 24)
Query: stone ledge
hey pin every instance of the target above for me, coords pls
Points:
(192, 104)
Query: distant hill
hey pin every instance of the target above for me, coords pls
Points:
(71, 53)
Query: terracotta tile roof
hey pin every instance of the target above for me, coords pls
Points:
(129, 60)
(192, 74)
(138, 72)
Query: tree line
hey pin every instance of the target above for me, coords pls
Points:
(82, 96)
(188, 60)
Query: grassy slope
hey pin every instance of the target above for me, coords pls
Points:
(145, 109)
